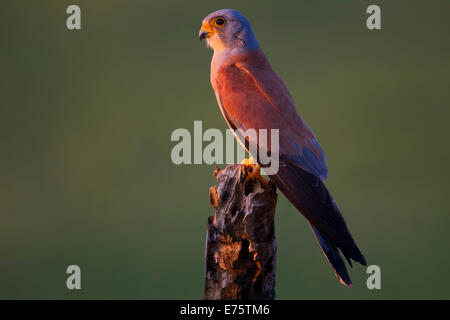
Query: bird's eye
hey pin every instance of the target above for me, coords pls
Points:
(219, 21)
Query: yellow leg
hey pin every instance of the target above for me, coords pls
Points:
(255, 172)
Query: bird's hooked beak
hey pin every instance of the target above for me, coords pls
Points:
(205, 31)
(202, 35)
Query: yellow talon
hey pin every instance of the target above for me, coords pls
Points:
(249, 162)
(255, 172)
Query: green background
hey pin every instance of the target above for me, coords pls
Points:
(86, 117)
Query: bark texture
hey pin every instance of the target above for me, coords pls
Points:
(241, 248)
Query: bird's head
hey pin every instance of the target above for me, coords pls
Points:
(227, 29)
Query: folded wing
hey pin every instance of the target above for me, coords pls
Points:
(252, 96)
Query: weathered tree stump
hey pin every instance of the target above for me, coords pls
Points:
(241, 248)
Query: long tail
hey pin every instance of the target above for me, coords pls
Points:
(311, 197)
(334, 258)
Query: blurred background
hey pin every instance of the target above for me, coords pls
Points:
(86, 118)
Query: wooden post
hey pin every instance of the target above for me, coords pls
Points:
(241, 248)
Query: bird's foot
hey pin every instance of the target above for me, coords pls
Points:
(254, 171)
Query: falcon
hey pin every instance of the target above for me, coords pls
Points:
(252, 96)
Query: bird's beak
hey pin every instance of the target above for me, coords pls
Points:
(203, 34)
(205, 31)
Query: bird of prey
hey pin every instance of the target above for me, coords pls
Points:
(252, 96)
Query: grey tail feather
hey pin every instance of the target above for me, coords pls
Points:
(334, 258)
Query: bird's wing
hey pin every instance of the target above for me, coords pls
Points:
(254, 97)
(251, 95)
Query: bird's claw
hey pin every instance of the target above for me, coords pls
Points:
(254, 171)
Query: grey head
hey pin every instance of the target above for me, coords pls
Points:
(227, 29)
